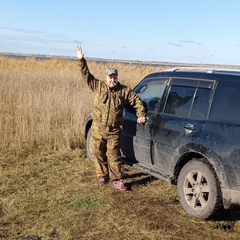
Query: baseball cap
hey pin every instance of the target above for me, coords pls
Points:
(111, 71)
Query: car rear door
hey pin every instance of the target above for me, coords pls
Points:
(180, 120)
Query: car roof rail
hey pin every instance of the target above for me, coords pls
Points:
(204, 69)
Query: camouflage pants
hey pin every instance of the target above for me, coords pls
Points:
(105, 143)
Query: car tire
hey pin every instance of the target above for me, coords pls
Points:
(198, 189)
(88, 145)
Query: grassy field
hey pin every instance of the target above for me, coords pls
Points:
(44, 103)
(48, 187)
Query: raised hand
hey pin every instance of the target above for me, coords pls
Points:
(79, 52)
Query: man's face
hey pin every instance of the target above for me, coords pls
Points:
(112, 80)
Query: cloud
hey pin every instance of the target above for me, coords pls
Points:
(31, 31)
(20, 30)
(150, 50)
(29, 35)
(175, 44)
(187, 41)
(77, 42)
(33, 39)
(191, 42)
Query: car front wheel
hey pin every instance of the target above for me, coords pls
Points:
(198, 189)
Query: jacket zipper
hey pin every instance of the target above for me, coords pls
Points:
(109, 102)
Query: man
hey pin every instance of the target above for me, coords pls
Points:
(110, 100)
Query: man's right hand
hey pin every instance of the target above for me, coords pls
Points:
(79, 52)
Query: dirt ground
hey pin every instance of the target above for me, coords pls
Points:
(56, 196)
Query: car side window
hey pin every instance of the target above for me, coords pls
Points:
(191, 98)
(201, 103)
(226, 101)
(179, 100)
(151, 94)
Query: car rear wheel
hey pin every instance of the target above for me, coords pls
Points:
(198, 189)
(88, 145)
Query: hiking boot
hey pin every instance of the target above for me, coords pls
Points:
(118, 184)
(101, 180)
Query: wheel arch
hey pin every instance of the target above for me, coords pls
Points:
(87, 126)
(191, 151)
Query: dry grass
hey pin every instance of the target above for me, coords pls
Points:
(48, 186)
(44, 103)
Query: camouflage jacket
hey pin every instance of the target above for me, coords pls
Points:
(109, 103)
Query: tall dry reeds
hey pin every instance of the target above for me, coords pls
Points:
(44, 103)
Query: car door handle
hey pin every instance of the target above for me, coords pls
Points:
(150, 120)
(189, 128)
(147, 120)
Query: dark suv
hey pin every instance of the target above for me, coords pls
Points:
(191, 138)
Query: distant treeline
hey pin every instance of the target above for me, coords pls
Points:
(104, 61)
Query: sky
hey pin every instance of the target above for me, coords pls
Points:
(183, 31)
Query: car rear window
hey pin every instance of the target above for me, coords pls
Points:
(189, 98)
(226, 101)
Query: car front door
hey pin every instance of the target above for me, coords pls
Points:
(136, 139)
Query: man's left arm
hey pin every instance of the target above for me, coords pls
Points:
(137, 103)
